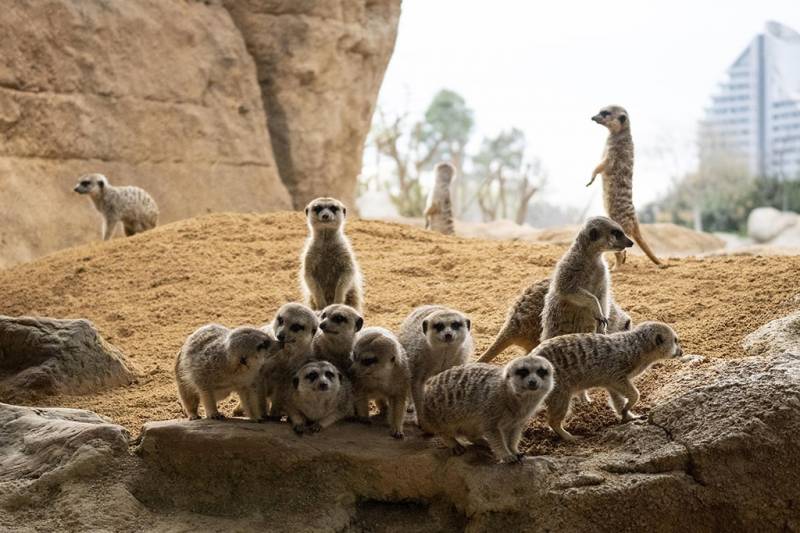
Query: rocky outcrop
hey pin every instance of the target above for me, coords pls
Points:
(320, 65)
(43, 356)
(157, 94)
(778, 336)
(767, 225)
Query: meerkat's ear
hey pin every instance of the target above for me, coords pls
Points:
(469, 324)
(101, 183)
(306, 211)
(594, 234)
(344, 211)
(659, 340)
(627, 324)
(424, 326)
(359, 323)
(393, 359)
(622, 119)
(295, 382)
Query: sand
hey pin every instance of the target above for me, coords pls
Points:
(147, 293)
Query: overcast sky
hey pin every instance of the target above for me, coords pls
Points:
(547, 67)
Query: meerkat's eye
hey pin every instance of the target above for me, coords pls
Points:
(86, 183)
(323, 316)
(456, 326)
(622, 119)
(243, 360)
(438, 327)
(318, 209)
(312, 376)
(616, 233)
(339, 319)
(334, 209)
(369, 361)
(523, 372)
(296, 327)
(542, 372)
(280, 320)
(605, 113)
(329, 374)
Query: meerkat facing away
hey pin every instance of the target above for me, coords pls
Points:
(215, 361)
(577, 300)
(523, 325)
(439, 209)
(329, 272)
(338, 327)
(588, 360)
(321, 396)
(480, 401)
(381, 373)
(435, 338)
(617, 170)
(130, 205)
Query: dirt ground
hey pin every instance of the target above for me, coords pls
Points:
(147, 293)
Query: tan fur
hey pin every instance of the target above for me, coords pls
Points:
(617, 170)
(439, 209)
(130, 205)
(338, 327)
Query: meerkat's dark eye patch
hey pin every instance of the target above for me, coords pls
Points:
(86, 183)
(659, 340)
(339, 319)
(312, 376)
(334, 209)
(522, 372)
(243, 360)
(456, 326)
(542, 372)
(318, 209)
(297, 327)
(369, 361)
(323, 316)
(628, 324)
(329, 374)
(359, 323)
(438, 327)
(622, 119)
(280, 320)
(594, 234)
(616, 233)
(605, 113)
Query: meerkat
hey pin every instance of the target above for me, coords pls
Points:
(132, 206)
(439, 209)
(617, 170)
(435, 338)
(216, 361)
(321, 395)
(480, 401)
(587, 360)
(577, 300)
(338, 327)
(329, 272)
(523, 325)
(380, 372)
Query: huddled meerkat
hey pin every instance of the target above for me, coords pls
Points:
(329, 272)
(577, 300)
(589, 360)
(321, 395)
(523, 325)
(480, 401)
(338, 327)
(215, 361)
(380, 372)
(130, 205)
(435, 338)
(439, 209)
(617, 170)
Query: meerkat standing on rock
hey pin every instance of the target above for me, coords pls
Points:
(435, 338)
(439, 210)
(321, 395)
(216, 361)
(577, 300)
(617, 170)
(584, 361)
(480, 401)
(338, 326)
(130, 205)
(329, 273)
(523, 325)
(380, 372)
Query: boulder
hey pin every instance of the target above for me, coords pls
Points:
(162, 95)
(766, 223)
(775, 337)
(320, 65)
(44, 356)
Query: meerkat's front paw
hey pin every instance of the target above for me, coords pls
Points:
(194, 417)
(397, 434)
(217, 416)
(458, 449)
(628, 416)
(314, 427)
(602, 324)
(513, 459)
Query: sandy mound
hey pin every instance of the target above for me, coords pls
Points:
(147, 293)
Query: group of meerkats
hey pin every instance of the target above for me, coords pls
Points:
(317, 364)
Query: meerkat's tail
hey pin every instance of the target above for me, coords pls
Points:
(504, 339)
(636, 233)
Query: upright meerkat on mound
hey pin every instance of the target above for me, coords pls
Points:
(321, 395)
(381, 373)
(215, 361)
(523, 325)
(617, 170)
(435, 338)
(439, 210)
(577, 300)
(130, 205)
(329, 273)
(588, 360)
(480, 401)
(338, 327)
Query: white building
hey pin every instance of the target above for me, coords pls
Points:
(755, 112)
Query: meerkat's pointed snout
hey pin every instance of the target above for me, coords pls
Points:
(598, 119)
(628, 242)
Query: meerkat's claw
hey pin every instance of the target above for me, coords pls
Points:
(314, 427)
(629, 416)
(397, 435)
(514, 459)
(218, 416)
(194, 417)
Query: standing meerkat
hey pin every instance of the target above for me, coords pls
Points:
(321, 396)
(132, 206)
(588, 360)
(215, 361)
(617, 170)
(481, 401)
(381, 373)
(329, 273)
(338, 327)
(523, 325)
(435, 338)
(577, 300)
(439, 210)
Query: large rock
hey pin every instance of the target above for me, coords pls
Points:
(775, 337)
(157, 94)
(764, 224)
(44, 356)
(320, 65)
